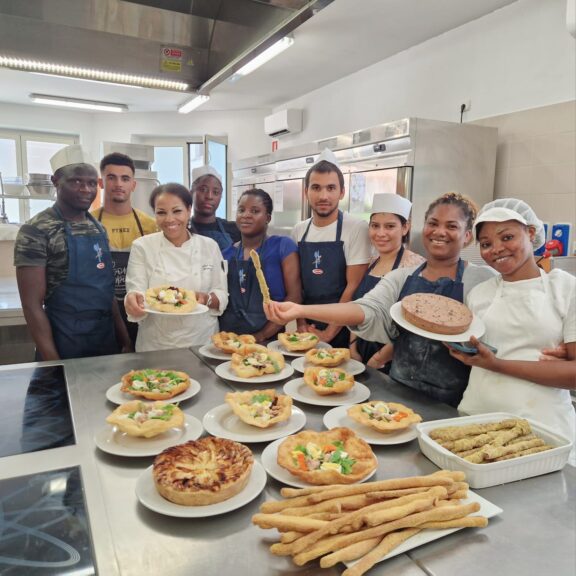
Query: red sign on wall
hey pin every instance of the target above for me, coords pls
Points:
(274, 145)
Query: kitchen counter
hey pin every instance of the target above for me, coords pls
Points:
(535, 534)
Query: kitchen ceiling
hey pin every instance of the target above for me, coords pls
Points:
(332, 39)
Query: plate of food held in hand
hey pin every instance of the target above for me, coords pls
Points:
(437, 317)
(172, 300)
(255, 364)
(296, 343)
(302, 392)
(336, 456)
(377, 422)
(329, 358)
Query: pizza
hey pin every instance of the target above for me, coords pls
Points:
(202, 472)
(155, 384)
(171, 299)
(436, 313)
(384, 416)
(329, 357)
(230, 342)
(260, 408)
(146, 419)
(326, 381)
(298, 341)
(256, 360)
(337, 456)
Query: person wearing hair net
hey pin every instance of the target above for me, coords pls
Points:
(525, 311)
(207, 194)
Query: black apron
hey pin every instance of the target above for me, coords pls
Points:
(245, 311)
(323, 272)
(223, 239)
(365, 348)
(425, 364)
(80, 309)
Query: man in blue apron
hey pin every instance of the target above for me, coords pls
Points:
(64, 269)
(334, 247)
(206, 195)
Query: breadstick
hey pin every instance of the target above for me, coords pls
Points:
(387, 494)
(260, 275)
(285, 523)
(350, 552)
(382, 516)
(522, 438)
(327, 506)
(526, 452)
(504, 437)
(473, 442)
(467, 522)
(492, 452)
(290, 536)
(457, 432)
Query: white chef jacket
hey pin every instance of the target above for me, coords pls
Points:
(521, 319)
(197, 265)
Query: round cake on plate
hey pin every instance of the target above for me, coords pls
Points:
(437, 314)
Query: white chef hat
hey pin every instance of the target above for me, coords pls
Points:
(504, 209)
(393, 204)
(328, 156)
(205, 171)
(73, 154)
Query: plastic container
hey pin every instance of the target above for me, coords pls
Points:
(485, 475)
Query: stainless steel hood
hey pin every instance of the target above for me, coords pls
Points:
(198, 42)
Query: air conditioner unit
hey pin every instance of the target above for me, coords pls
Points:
(283, 122)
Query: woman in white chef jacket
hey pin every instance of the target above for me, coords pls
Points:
(175, 256)
(525, 311)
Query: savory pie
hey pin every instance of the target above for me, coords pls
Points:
(146, 419)
(436, 313)
(230, 342)
(328, 357)
(325, 381)
(256, 360)
(261, 408)
(155, 384)
(384, 416)
(337, 456)
(298, 341)
(171, 299)
(202, 472)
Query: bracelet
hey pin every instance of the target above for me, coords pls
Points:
(352, 341)
(209, 301)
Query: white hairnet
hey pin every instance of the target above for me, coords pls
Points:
(328, 156)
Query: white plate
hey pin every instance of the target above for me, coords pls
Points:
(477, 327)
(352, 367)
(300, 391)
(110, 439)
(270, 463)
(222, 422)
(115, 395)
(486, 509)
(278, 347)
(339, 417)
(224, 371)
(200, 309)
(149, 496)
(210, 351)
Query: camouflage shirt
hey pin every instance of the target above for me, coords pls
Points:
(42, 242)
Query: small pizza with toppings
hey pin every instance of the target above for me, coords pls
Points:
(328, 357)
(384, 416)
(260, 408)
(255, 360)
(231, 342)
(146, 419)
(171, 299)
(326, 381)
(298, 341)
(155, 384)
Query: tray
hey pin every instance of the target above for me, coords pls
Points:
(485, 475)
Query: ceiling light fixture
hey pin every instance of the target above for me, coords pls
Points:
(86, 80)
(26, 65)
(78, 103)
(193, 104)
(265, 56)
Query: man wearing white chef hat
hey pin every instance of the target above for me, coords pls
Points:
(64, 270)
(206, 195)
(334, 247)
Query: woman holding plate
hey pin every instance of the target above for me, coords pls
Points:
(176, 257)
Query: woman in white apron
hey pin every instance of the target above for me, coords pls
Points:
(525, 311)
(176, 257)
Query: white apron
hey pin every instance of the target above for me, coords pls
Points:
(177, 267)
(520, 322)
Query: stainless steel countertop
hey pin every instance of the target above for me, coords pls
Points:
(534, 535)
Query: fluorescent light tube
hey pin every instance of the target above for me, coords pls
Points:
(78, 103)
(268, 54)
(193, 104)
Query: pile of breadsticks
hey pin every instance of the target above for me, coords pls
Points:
(365, 521)
(490, 442)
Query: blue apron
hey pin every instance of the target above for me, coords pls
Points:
(223, 239)
(323, 272)
(365, 348)
(80, 309)
(425, 364)
(245, 311)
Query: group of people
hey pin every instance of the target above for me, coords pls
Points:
(82, 278)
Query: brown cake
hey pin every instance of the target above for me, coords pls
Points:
(437, 314)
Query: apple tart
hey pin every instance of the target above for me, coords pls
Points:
(255, 360)
(261, 408)
(146, 419)
(230, 342)
(155, 384)
(384, 416)
(171, 299)
(328, 357)
(326, 381)
(298, 341)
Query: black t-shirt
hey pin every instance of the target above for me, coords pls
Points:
(229, 227)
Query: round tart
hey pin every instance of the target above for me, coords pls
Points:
(437, 314)
(202, 472)
(261, 408)
(255, 360)
(298, 341)
(384, 416)
(337, 456)
(146, 419)
(326, 381)
(329, 357)
(230, 342)
(171, 299)
(155, 384)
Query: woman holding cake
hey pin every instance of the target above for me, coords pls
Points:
(418, 362)
(525, 311)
